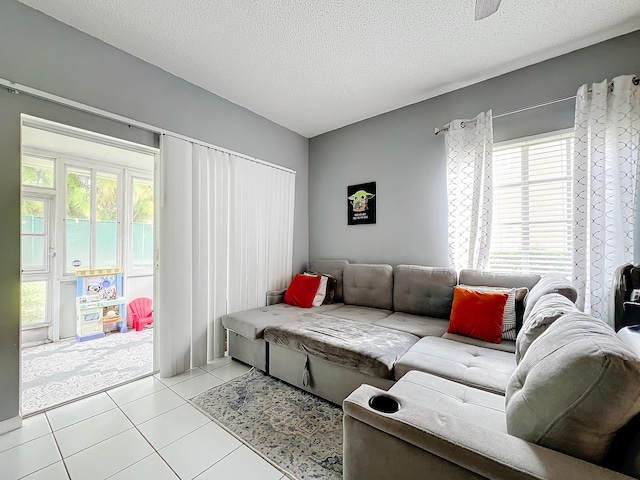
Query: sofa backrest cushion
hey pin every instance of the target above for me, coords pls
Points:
(549, 283)
(502, 280)
(334, 268)
(546, 310)
(423, 290)
(577, 385)
(368, 285)
(498, 279)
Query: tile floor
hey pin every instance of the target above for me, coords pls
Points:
(142, 430)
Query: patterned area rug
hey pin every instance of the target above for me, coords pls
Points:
(294, 429)
(57, 372)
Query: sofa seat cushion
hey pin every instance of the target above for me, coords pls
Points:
(359, 314)
(574, 389)
(370, 349)
(477, 406)
(415, 324)
(251, 323)
(483, 368)
(503, 346)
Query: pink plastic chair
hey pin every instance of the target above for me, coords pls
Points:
(141, 312)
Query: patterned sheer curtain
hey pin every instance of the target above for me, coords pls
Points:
(605, 187)
(469, 149)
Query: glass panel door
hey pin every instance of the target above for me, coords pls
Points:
(35, 256)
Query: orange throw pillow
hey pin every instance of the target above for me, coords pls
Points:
(302, 291)
(477, 314)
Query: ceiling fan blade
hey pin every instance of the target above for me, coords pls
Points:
(484, 8)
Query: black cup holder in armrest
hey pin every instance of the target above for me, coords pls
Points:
(384, 404)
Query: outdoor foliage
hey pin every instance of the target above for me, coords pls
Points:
(34, 297)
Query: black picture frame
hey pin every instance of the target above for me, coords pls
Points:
(361, 204)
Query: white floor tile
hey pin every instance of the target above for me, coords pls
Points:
(152, 467)
(109, 457)
(242, 464)
(151, 406)
(135, 390)
(81, 435)
(169, 427)
(52, 472)
(28, 458)
(193, 454)
(194, 386)
(194, 372)
(32, 428)
(231, 371)
(77, 411)
(217, 363)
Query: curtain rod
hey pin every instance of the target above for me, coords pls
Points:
(635, 81)
(517, 110)
(17, 88)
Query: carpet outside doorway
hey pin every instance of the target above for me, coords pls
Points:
(58, 372)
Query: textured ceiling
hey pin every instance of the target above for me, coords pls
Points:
(314, 66)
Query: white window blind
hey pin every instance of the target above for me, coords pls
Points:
(532, 216)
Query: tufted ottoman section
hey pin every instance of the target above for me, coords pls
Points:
(477, 406)
(471, 365)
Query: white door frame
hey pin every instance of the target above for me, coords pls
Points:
(47, 273)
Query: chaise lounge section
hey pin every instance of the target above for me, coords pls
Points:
(570, 411)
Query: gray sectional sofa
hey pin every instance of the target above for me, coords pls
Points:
(412, 302)
(548, 405)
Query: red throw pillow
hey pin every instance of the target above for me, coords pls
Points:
(477, 314)
(302, 291)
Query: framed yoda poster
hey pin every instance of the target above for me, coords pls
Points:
(361, 203)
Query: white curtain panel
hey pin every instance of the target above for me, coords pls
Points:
(173, 302)
(469, 150)
(260, 233)
(605, 187)
(226, 237)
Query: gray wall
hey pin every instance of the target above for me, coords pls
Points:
(43, 53)
(400, 152)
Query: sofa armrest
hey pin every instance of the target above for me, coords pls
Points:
(435, 441)
(275, 296)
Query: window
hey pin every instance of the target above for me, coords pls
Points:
(142, 224)
(532, 209)
(38, 171)
(33, 233)
(91, 230)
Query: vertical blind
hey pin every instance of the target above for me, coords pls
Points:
(225, 238)
(532, 216)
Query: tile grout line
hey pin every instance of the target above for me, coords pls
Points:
(55, 439)
(164, 387)
(181, 381)
(215, 463)
(79, 421)
(134, 463)
(187, 401)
